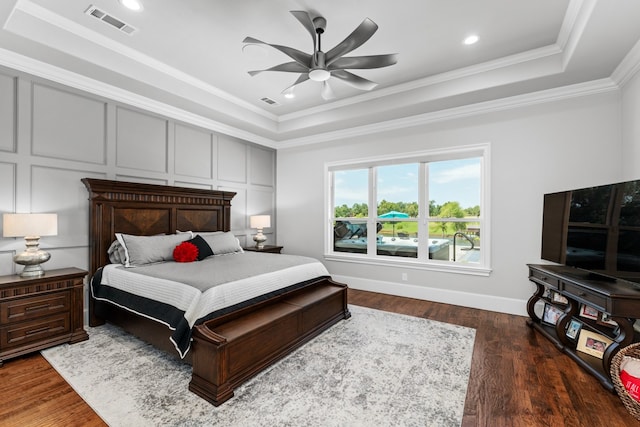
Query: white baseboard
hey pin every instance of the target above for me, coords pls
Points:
(464, 299)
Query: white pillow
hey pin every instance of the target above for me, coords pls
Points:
(222, 243)
(141, 250)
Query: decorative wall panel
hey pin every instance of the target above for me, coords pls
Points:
(68, 126)
(7, 113)
(232, 160)
(60, 191)
(7, 188)
(141, 141)
(193, 152)
(262, 166)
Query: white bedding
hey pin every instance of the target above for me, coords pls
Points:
(197, 304)
(197, 301)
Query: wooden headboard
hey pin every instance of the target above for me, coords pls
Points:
(147, 209)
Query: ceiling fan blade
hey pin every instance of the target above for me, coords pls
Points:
(295, 54)
(373, 61)
(353, 80)
(327, 94)
(289, 67)
(354, 40)
(301, 78)
(306, 22)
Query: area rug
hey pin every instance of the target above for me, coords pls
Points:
(374, 369)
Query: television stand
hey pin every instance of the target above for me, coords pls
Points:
(615, 301)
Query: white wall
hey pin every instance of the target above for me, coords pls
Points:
(534, 150)
(631, 128)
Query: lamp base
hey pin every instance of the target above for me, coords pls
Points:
(259, 239)
(32, 271)
(31, 260)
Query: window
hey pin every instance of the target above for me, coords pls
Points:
(425, 209)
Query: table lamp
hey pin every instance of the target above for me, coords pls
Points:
(31, 227)
(260, 222)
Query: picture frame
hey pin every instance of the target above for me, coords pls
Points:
(551, 314)
(573, 329)
(588, 312)
(557, 297)
(604, 320)
(592, 343)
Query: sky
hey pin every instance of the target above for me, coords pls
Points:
(451, 180)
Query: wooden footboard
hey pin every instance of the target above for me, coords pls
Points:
(229, 350)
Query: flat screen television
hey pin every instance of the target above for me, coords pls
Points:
(596, 229)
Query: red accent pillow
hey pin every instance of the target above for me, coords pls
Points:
(185, 252)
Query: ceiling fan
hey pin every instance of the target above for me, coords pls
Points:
(320, 66)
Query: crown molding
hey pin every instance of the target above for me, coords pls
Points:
(540, 97)
(628, 67)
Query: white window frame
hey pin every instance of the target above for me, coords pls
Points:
(482, 268)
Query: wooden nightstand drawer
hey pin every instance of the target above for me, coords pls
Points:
(34, 330)
(33, 307)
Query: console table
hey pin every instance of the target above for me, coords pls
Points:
(617, 299)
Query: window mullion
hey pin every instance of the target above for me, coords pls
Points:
(373, 212)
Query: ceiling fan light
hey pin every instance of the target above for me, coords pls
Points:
(319, 75)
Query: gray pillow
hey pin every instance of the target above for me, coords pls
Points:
(222, 243)
(141, 250)
(116, 253)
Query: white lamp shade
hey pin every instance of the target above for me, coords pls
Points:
(24, 224)
(260, 221)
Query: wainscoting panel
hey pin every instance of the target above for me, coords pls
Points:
(261, 203)
(68, 126)
(61, 191)
(141, 141)
(232, 160)
(192, 185)
(193, 152)
(7, 189)
(7, 113)
(239, 218)
(262, 166)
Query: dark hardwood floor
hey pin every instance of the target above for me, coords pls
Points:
(518, 378)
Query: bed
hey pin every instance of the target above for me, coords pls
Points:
(226, 343)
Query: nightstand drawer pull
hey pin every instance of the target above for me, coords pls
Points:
(37, 307)
(37, 331)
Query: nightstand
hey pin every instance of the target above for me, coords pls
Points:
(40, 312)
(272, 249)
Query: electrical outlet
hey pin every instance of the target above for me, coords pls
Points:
(404, 276)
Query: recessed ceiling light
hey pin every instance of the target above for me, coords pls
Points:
(471, 39)
(289, 95)
(132, 4)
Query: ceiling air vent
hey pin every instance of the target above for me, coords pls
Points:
(269, 101)
(111, 20)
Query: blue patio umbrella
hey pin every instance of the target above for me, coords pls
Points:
(394, 214)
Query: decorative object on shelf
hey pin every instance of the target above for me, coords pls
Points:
(260, 222)
(588, 312)
(592, 343)
(551, 314)
(630, 351)
(30, 226)
(573, 329)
